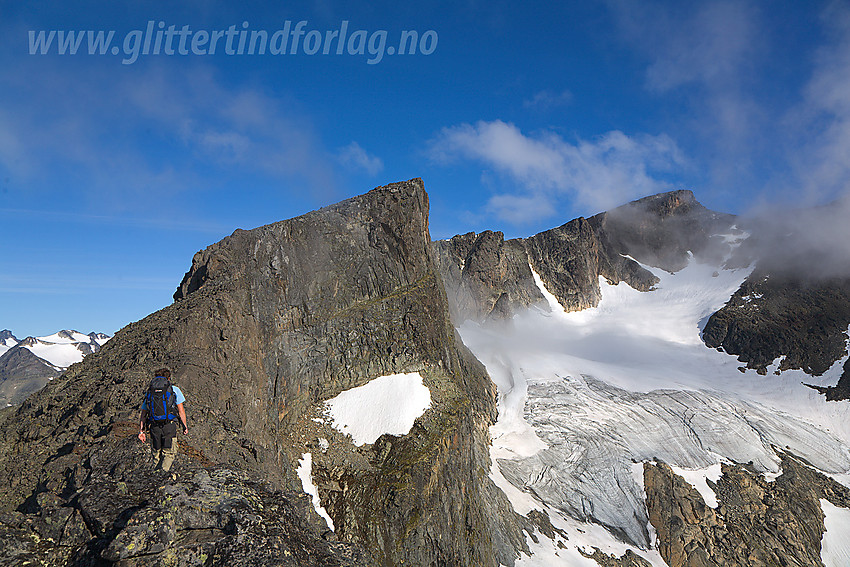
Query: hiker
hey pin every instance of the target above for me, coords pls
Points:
(161, 409)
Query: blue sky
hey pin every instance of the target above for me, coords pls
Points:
(518, 118)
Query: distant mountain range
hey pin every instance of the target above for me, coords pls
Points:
(27, 365)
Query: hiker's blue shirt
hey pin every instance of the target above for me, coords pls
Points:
(179, 398)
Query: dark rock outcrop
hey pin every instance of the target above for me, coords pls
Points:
(488, 277)
(757, 523)
(779, 315)
(268, 324)
(21, 374)
(796, 303)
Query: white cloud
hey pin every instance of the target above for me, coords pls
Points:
(355, 156)
(710, 43)
(594, 174)
(521, 209)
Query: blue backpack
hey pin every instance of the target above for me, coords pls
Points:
(161, 401)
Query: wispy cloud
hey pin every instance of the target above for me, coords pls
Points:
(708, 43)
(238, 127)
(354, 156)
(594, 175)
(822, 120)
(138, 140)
(547, 99)
(705, 58)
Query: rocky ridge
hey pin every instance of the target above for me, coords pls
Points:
(266, 325)
(488, 277)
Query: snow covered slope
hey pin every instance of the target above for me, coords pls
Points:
(7, 341)
(585, 397)
(62, 349)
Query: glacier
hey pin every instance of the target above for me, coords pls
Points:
(586, 397)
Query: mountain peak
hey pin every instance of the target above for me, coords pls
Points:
(671, 203)
(270, 324)
(394, 215)
(663, 230)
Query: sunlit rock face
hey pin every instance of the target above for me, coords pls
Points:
(756, 522)
(267, 325)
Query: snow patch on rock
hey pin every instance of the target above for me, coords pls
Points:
(305, 473)
(385, 405)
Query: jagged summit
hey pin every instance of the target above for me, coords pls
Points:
(661, 230)
(369, 208)
(487, 277)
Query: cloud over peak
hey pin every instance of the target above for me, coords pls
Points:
(547, 169)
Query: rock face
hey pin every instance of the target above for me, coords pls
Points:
(267, 324)
(21, 374)
(757, 523)
(488, 277)
(777, 315)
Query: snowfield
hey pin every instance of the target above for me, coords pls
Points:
(835, 545)
(387, 404)
(586, 397)
(60, 355)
